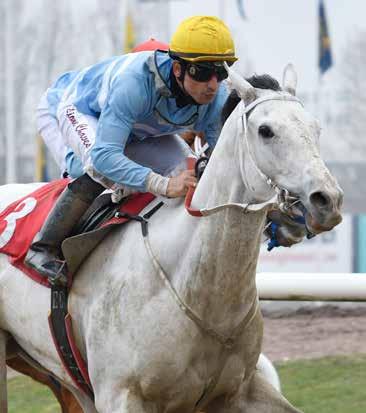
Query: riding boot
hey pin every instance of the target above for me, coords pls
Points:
(45, 255)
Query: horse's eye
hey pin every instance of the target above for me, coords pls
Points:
(265, 131)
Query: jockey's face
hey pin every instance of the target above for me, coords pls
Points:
(201, 92)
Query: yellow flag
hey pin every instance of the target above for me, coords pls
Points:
(129, 42)
(41, 163)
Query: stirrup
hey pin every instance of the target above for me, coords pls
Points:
(60, 278)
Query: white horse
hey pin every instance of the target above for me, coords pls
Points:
(192, 341)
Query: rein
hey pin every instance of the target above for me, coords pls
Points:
(227, 341)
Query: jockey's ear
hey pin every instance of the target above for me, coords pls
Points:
(289, 79)
(243, 88)
(177, 69)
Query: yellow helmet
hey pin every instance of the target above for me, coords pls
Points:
(203, 38)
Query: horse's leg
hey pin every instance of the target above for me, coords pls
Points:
(87, 405)
(66, 399)
(68, 402)
(269, 371)
(3, 387)
(259, 397)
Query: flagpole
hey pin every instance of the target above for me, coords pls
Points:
(325, 59)
(9, 95)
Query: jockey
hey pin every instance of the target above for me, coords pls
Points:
(118, 119)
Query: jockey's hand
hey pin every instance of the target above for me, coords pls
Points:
(178, 185)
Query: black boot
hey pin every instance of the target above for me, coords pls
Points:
(45, 254)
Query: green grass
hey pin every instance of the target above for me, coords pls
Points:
(327, 385)
(27, 396)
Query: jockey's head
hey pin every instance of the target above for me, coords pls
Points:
(199, 48)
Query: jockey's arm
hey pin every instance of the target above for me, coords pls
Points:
(127, 103)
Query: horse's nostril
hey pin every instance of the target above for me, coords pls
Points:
(320, 199)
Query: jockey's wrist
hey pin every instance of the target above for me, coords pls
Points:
(157, 184)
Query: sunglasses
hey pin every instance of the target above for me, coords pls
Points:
(203, 72)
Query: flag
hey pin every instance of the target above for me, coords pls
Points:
(41, 161)
(325, 53)
(240, 4)
(129, 40)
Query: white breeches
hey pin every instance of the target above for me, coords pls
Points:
(49, 130)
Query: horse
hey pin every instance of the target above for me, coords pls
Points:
(169, 321)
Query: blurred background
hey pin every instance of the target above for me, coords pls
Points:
(325, 40)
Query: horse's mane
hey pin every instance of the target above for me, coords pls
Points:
(258, 82)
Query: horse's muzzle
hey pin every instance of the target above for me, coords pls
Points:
(324, 210)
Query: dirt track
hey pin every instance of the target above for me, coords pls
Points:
(310, 334)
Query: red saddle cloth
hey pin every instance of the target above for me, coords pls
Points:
(21, 220)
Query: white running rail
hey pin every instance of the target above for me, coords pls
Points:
(312, 287)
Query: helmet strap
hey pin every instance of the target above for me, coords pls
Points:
(182, 97)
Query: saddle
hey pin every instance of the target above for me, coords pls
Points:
(21, 220)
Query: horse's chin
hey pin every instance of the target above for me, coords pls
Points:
(315, 226)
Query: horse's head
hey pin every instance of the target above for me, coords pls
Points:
(279, 142)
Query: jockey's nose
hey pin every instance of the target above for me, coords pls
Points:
(213, 82)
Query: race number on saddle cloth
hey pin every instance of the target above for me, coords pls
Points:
(21, 220)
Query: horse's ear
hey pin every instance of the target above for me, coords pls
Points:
(243, 88)
(289, 79)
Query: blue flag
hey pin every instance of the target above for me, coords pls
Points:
(325, 53)
(241, 9)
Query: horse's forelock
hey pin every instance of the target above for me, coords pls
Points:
(258, 82)
(264, 82)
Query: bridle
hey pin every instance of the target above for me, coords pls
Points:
(283, 200)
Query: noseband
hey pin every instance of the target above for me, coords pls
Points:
(285, 201)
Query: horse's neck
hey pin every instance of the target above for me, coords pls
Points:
(222, 259)
(222, 253)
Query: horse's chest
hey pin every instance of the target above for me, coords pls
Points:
(189, 365)
(187, 377)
